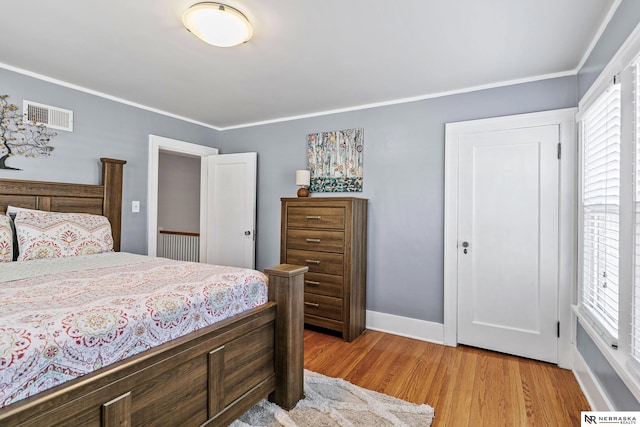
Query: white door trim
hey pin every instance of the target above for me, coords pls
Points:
(567, 216)
(157, 143)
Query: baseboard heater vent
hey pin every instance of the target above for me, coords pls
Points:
(179, 245)
(46, 115)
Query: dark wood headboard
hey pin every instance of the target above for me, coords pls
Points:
(104, 199)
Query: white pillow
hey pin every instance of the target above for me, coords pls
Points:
(6, 239)
(55, 234)
(13, 210)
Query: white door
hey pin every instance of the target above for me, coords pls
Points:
(231, 207)
(508, 241)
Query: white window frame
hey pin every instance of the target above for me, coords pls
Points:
(620, 357)
(634, 311)
(599, 280)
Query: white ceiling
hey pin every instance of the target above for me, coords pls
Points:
(306, 56)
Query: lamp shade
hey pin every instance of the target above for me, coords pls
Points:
(217, 24)
(303, 177)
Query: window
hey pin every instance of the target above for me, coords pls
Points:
(600, 126)
(609, 213)
(635, 309)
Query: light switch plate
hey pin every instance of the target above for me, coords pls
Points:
(135, 206)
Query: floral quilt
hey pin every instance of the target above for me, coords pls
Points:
(62, 320)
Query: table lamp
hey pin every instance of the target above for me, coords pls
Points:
(303, 180)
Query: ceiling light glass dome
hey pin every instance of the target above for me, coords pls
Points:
(217, 24)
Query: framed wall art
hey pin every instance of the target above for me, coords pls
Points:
(335, 160)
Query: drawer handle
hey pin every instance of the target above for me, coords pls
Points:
(312, 304)
(313, 240)
(314, 217)
(312, 261)
(311, 282)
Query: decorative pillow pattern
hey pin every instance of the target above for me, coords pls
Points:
(6, 239)
(55, 234)
(12, 211)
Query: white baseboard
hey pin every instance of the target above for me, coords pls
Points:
(404, 326)
(590, 386)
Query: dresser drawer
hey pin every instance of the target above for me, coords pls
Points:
(316, 217)
(323, 306)
(315, 240)
(318, 262)
(323, 284)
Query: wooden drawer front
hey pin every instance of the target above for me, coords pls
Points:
(323, 284)
(316, 240)
(318, 262)
(315, 217)
(323, 306)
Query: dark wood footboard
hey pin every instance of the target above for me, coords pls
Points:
(209, 377)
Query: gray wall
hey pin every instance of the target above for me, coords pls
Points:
(620, 27)
(403, 180)
(102, 128)
(617, 392)
(178, 192)
(623, 22)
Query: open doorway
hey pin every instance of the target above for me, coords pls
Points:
(227, 203)
(178, 206)
(158, 146)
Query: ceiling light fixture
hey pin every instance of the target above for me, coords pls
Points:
(217, 24)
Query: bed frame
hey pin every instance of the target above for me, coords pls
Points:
(209, 377)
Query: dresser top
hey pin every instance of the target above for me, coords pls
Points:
(328, 199)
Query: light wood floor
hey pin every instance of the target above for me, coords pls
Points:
(466, 386)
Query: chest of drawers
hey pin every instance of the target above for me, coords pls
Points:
(329, 235)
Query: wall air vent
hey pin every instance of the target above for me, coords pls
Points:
(51, 117)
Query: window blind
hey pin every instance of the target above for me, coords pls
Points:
(635, 309)
(601, 209)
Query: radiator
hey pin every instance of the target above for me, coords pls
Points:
(178, 245)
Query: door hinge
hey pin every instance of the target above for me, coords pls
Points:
(559, 150)
(558, 329)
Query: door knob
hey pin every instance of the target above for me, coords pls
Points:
(247, 233)
(465, 244)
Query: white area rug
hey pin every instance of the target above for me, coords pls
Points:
(336, 402)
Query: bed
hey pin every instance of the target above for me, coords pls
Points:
(208, 376)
